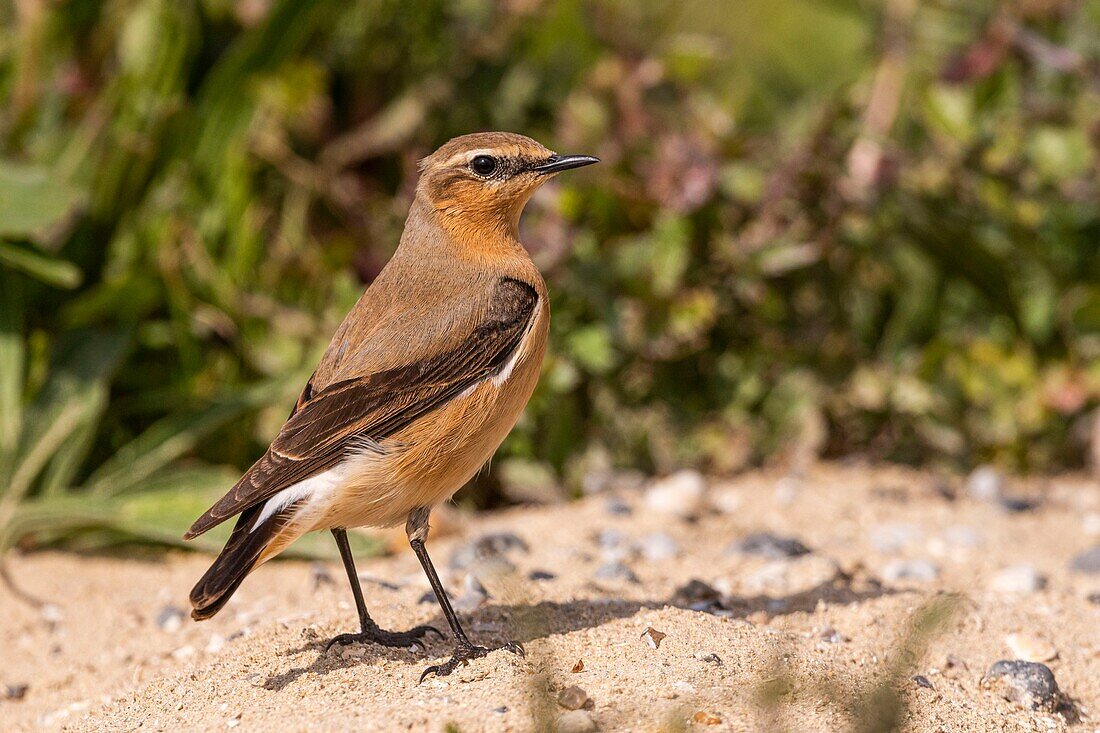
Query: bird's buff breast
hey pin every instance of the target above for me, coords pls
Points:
(427, 462)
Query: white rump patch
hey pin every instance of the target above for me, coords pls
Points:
(313, 489)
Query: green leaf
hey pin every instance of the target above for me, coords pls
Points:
(169, 439)
(75, 393)
(32, 200)
(12, 358)
(50, 270)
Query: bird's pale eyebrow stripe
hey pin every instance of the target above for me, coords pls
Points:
(467, 156)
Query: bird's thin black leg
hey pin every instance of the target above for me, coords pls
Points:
(417, 529)
(369, 631)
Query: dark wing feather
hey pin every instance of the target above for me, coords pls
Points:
(370, 408)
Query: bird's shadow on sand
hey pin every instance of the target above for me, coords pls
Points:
(499, 623)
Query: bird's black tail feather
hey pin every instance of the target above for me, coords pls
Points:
(237, 559)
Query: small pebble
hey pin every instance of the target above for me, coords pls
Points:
(710, 658)
(1087, 561)
(51, 614)
(617, 508)
(955, 662)
(920, 571)
(678, 495)
(1091, 524)
(653, 637)
(501, 710)
(1093, 598)
(696, 591)
(578, 667)
(540, 575)
(923, 681)
(170, 619)
(985, 483)
(1019, 579)
(727, 500)
(428, 597)
(787, 490)
(658, 546)
(320, 576)
(1030, 648)
(572, 698)
(615, 546)
(184, 652)
(615, 571)
(790, 577)
(1018, 504)
(1028, 684)
(611, 538)
(766, 544)
(14, 692)
(473, 596)
(963, 537)
(575, 721)
(216, 644)
(493, 544)
(702, 717)
(829, 635)
(890, 538)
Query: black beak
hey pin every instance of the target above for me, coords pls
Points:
(558, 163)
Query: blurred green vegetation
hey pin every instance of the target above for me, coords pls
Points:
(822, 227)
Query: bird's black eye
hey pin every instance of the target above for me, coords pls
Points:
(483, 165)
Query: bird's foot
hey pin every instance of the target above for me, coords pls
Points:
(464, 652)
(402, 639)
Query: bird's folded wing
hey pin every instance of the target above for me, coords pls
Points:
(365, 410)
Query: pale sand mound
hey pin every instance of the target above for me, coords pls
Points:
(816, 648)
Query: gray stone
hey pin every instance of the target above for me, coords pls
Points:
(1087, 561)
(616, 571)
(792, 576)
(617, 508)
(170, 619)
(891, 538)
(919, 570)
(14, 692)
(766, 544)
(1028, 684)
(493, 544)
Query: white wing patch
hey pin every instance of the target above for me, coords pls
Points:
(506, 372)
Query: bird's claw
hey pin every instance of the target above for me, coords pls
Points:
(464, 653)
(411, 639)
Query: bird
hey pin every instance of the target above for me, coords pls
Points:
(418, 387)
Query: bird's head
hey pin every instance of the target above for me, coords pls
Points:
(482, 181)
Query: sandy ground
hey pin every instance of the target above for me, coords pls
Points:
(804, 644)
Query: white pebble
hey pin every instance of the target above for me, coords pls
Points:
(1091, 524)
(1030, 648)
(921, 571)
(985, 484)
(680, 494)
(1019, 579)
(575, 721)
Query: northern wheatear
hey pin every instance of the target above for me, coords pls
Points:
(422, 381)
